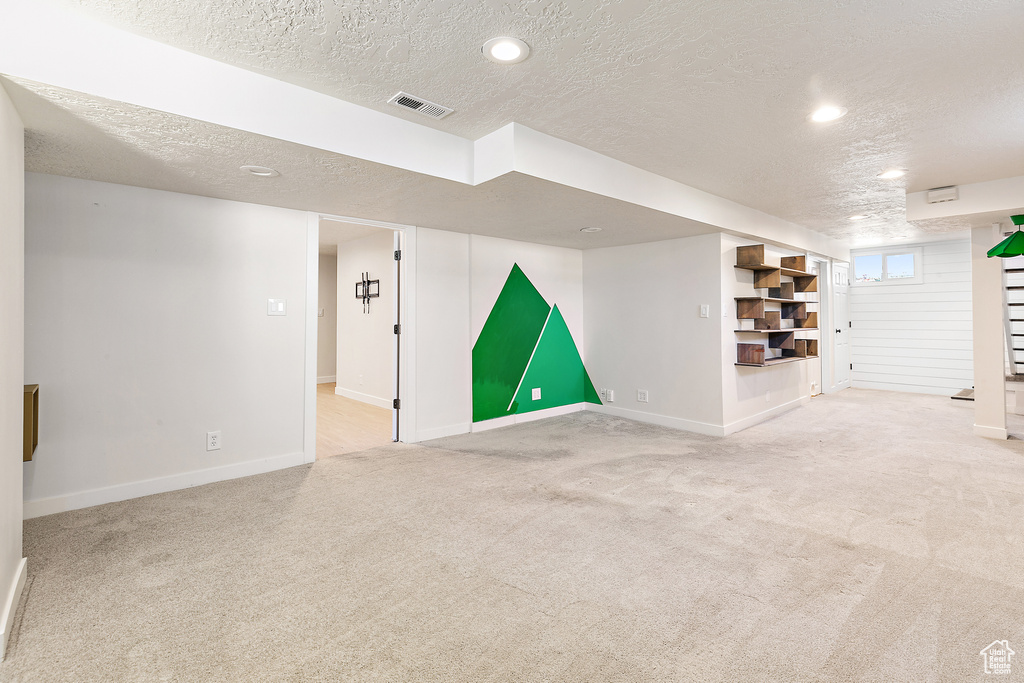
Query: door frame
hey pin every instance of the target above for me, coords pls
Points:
(824, 322)
(835, 386)
(406, 340)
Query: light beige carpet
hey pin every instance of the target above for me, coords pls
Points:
(865, 537)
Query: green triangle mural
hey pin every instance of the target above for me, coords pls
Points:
(512, 354)
(504, 346)
(557, 370)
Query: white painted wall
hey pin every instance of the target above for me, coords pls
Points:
(146, 327)
(12, 360)
(444, 371)
(327, 326)
(366, 340)
(750, 394)
(916, 337)
(644, 330)
(987, 330)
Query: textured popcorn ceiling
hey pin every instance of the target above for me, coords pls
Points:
(71, 134)
(713, 94)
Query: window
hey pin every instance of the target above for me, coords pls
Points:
(867, 268)
(887, 266)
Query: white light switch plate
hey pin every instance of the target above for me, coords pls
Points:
(536, 394)
(277, 307)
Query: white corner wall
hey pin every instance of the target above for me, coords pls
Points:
(365, 341)
(916, 337)
(327, 326)
(444, 368)
(751, 395)
(147, 327)
(458, 280)
(556, 272)
(12, 360)
(644, 330)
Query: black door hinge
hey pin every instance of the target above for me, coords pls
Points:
(398, 255)
(851, 366)
(396, 404)
(398, 329)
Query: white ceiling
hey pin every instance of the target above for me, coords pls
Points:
(710, 94)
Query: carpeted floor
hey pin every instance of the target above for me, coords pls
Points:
(866, 537)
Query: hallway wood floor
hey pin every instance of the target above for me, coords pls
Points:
(344, 425)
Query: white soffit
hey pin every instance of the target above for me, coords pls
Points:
(76, 135)
(978, 204)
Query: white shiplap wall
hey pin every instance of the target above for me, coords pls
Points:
(916, 337)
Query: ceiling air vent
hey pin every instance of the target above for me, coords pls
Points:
(937, 195)
(420, 105)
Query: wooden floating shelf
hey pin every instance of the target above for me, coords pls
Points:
(775, 361)
(784, 271)
(787, 329)
(796, 273)
(776, 299)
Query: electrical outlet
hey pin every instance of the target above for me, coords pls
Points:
(536, 394)
(213, 441)
(610, 393)
(641, 395)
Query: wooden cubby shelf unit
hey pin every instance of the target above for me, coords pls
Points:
(780, 304)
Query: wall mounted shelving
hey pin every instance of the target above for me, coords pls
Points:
(780, 304)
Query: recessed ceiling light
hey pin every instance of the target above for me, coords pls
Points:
(590, 229)
(261, 171)
(506, 50)
(892, 173)
(827, 113)
(858, 217)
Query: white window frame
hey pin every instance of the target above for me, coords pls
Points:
(885, 253)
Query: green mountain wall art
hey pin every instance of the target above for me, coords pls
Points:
(526, 345)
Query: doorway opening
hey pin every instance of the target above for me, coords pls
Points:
(358, 325)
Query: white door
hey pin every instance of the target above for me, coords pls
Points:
(841, 320)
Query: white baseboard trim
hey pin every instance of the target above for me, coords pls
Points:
(663, 420)
(991, 432)
(508, 420)
(752, 420)
(364, 398)
(440, 432)
(11, 605)
(327, 379)
(147, 487)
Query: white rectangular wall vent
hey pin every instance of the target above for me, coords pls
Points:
(937, 195)
(420, 105)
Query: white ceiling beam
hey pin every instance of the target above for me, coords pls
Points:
(1005, 195)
